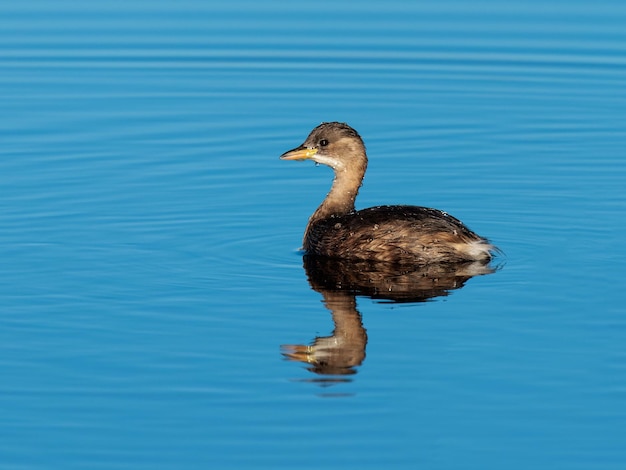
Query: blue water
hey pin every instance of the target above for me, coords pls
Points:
(151, 286)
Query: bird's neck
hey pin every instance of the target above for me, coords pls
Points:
(340, 199)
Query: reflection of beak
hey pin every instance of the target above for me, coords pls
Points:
(298, 352)
(299, 153)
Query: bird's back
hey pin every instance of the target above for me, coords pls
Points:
(396, 234)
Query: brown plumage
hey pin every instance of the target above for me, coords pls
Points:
(397, 234)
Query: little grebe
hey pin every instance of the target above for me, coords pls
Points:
(397, 234)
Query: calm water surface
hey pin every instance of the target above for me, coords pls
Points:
(156, 311)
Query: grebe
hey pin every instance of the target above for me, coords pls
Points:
(395, 234)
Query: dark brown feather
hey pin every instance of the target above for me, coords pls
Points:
(396, 234)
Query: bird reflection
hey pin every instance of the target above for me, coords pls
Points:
(340, 281)
(344, 349)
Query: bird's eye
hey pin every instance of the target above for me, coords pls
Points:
(323, 143)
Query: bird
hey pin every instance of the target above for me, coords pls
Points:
(399, 234)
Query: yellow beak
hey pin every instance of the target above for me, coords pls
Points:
(300, 153)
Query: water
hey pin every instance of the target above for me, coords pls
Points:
(152, 289)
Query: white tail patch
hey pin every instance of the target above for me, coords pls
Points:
(476, 249)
